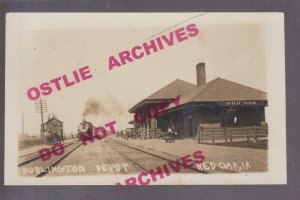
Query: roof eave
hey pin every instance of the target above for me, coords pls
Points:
(142, 103)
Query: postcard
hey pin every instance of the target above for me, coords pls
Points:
(145, 99)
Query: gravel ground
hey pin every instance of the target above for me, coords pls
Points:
(232, 158)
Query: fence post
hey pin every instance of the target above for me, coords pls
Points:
(213, 135)
(230, 135)
(247, 134)
(225, 135)
(255, 134)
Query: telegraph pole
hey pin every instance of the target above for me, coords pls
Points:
(41, 107)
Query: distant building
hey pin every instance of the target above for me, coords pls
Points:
(218, 103)
(54, 125)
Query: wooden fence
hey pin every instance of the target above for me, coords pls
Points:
(231, 134)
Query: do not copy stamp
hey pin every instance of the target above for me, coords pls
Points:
(153, 111)
(47, 88)
(56, 150)
(165, 170)
(99, 132)
(159, 43)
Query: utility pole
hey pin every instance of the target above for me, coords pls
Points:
(41, 107)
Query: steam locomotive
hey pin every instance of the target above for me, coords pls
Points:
(85, 130)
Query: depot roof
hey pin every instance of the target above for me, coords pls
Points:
(217, 90)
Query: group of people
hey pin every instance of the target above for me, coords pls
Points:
(54, 138)
(172, 133)
(139, 133)
(143, 133)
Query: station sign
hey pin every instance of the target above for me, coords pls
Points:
(242, 103)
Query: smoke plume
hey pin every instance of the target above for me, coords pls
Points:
(109, 106)
(93, 107)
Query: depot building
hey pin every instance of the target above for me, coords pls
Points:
(217, 103)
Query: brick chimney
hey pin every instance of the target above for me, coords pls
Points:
(201, 78)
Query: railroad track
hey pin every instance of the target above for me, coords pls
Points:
(39, 145)
(194, 168)
(33, 159)
(27, 147)
(125, 150)
(27, 158)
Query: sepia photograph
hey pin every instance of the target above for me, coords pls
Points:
(144, 99)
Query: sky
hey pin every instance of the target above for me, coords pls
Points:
(43, 46)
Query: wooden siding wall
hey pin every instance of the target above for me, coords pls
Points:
(250, 116)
